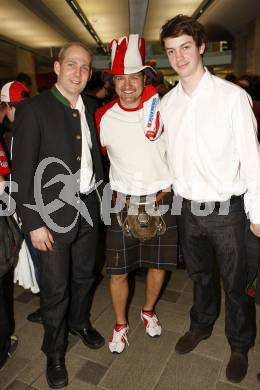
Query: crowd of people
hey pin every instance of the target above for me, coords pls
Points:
(250, 83)
(187, 158)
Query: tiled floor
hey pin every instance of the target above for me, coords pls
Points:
(146, 364)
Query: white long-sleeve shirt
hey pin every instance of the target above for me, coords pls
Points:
(213, 149)
(87, 177)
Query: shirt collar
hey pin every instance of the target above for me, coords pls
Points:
(80, 105)
(203, 84)
(57, 93)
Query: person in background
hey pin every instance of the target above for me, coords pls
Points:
(97, 89)
(161, 85)
(25, 79)
(2, 120)
(215, 160)
(231, 77)
(8, 342)
(12, 93)
(247, 83)
(58, 125)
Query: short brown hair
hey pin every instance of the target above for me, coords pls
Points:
(68, 45)
(180, 25)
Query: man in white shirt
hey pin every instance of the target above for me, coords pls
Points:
(215, 162)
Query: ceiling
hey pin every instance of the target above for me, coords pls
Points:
(42, 26)
(45, 24)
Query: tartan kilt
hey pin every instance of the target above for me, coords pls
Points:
(125, 254)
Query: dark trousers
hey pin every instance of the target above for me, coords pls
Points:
(213, 245)
(5, 331)
(35, 257)
(66, 277)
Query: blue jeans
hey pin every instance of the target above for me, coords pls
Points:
(35, 257)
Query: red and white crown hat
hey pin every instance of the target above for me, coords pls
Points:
(14, 92)
(128, 56)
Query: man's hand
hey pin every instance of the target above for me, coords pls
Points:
(255, 229)
(2, 184)
(42, 239)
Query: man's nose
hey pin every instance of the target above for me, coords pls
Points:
(127, 81)
(178, 54)
(77, 71)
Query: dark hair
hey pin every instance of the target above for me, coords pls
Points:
(249, 78)
(24, 78)
(231, 77)
(249, 83)
(180, 25)
(96, 82)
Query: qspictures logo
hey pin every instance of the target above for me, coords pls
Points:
(69, 195)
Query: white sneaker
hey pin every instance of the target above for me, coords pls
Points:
(119, 339)
(13, 346)
(150, 320)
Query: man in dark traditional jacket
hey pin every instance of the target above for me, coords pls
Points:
(57, 166)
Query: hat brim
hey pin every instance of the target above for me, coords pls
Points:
(149, 71)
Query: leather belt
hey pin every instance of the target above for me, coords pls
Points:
(203, 205)
(157, 197)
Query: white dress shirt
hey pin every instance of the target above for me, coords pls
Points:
(87, 177)
(213, 149)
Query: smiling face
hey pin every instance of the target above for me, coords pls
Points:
(73, 72)
(129, 88)
(185, 57)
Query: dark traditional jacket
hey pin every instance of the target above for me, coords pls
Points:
(47, 127)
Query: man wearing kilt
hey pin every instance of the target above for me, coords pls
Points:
(131, 133)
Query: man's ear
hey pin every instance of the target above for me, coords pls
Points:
(202, 48)
(90, 74)
(56, 67)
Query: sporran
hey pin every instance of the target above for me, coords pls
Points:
(144, 220)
